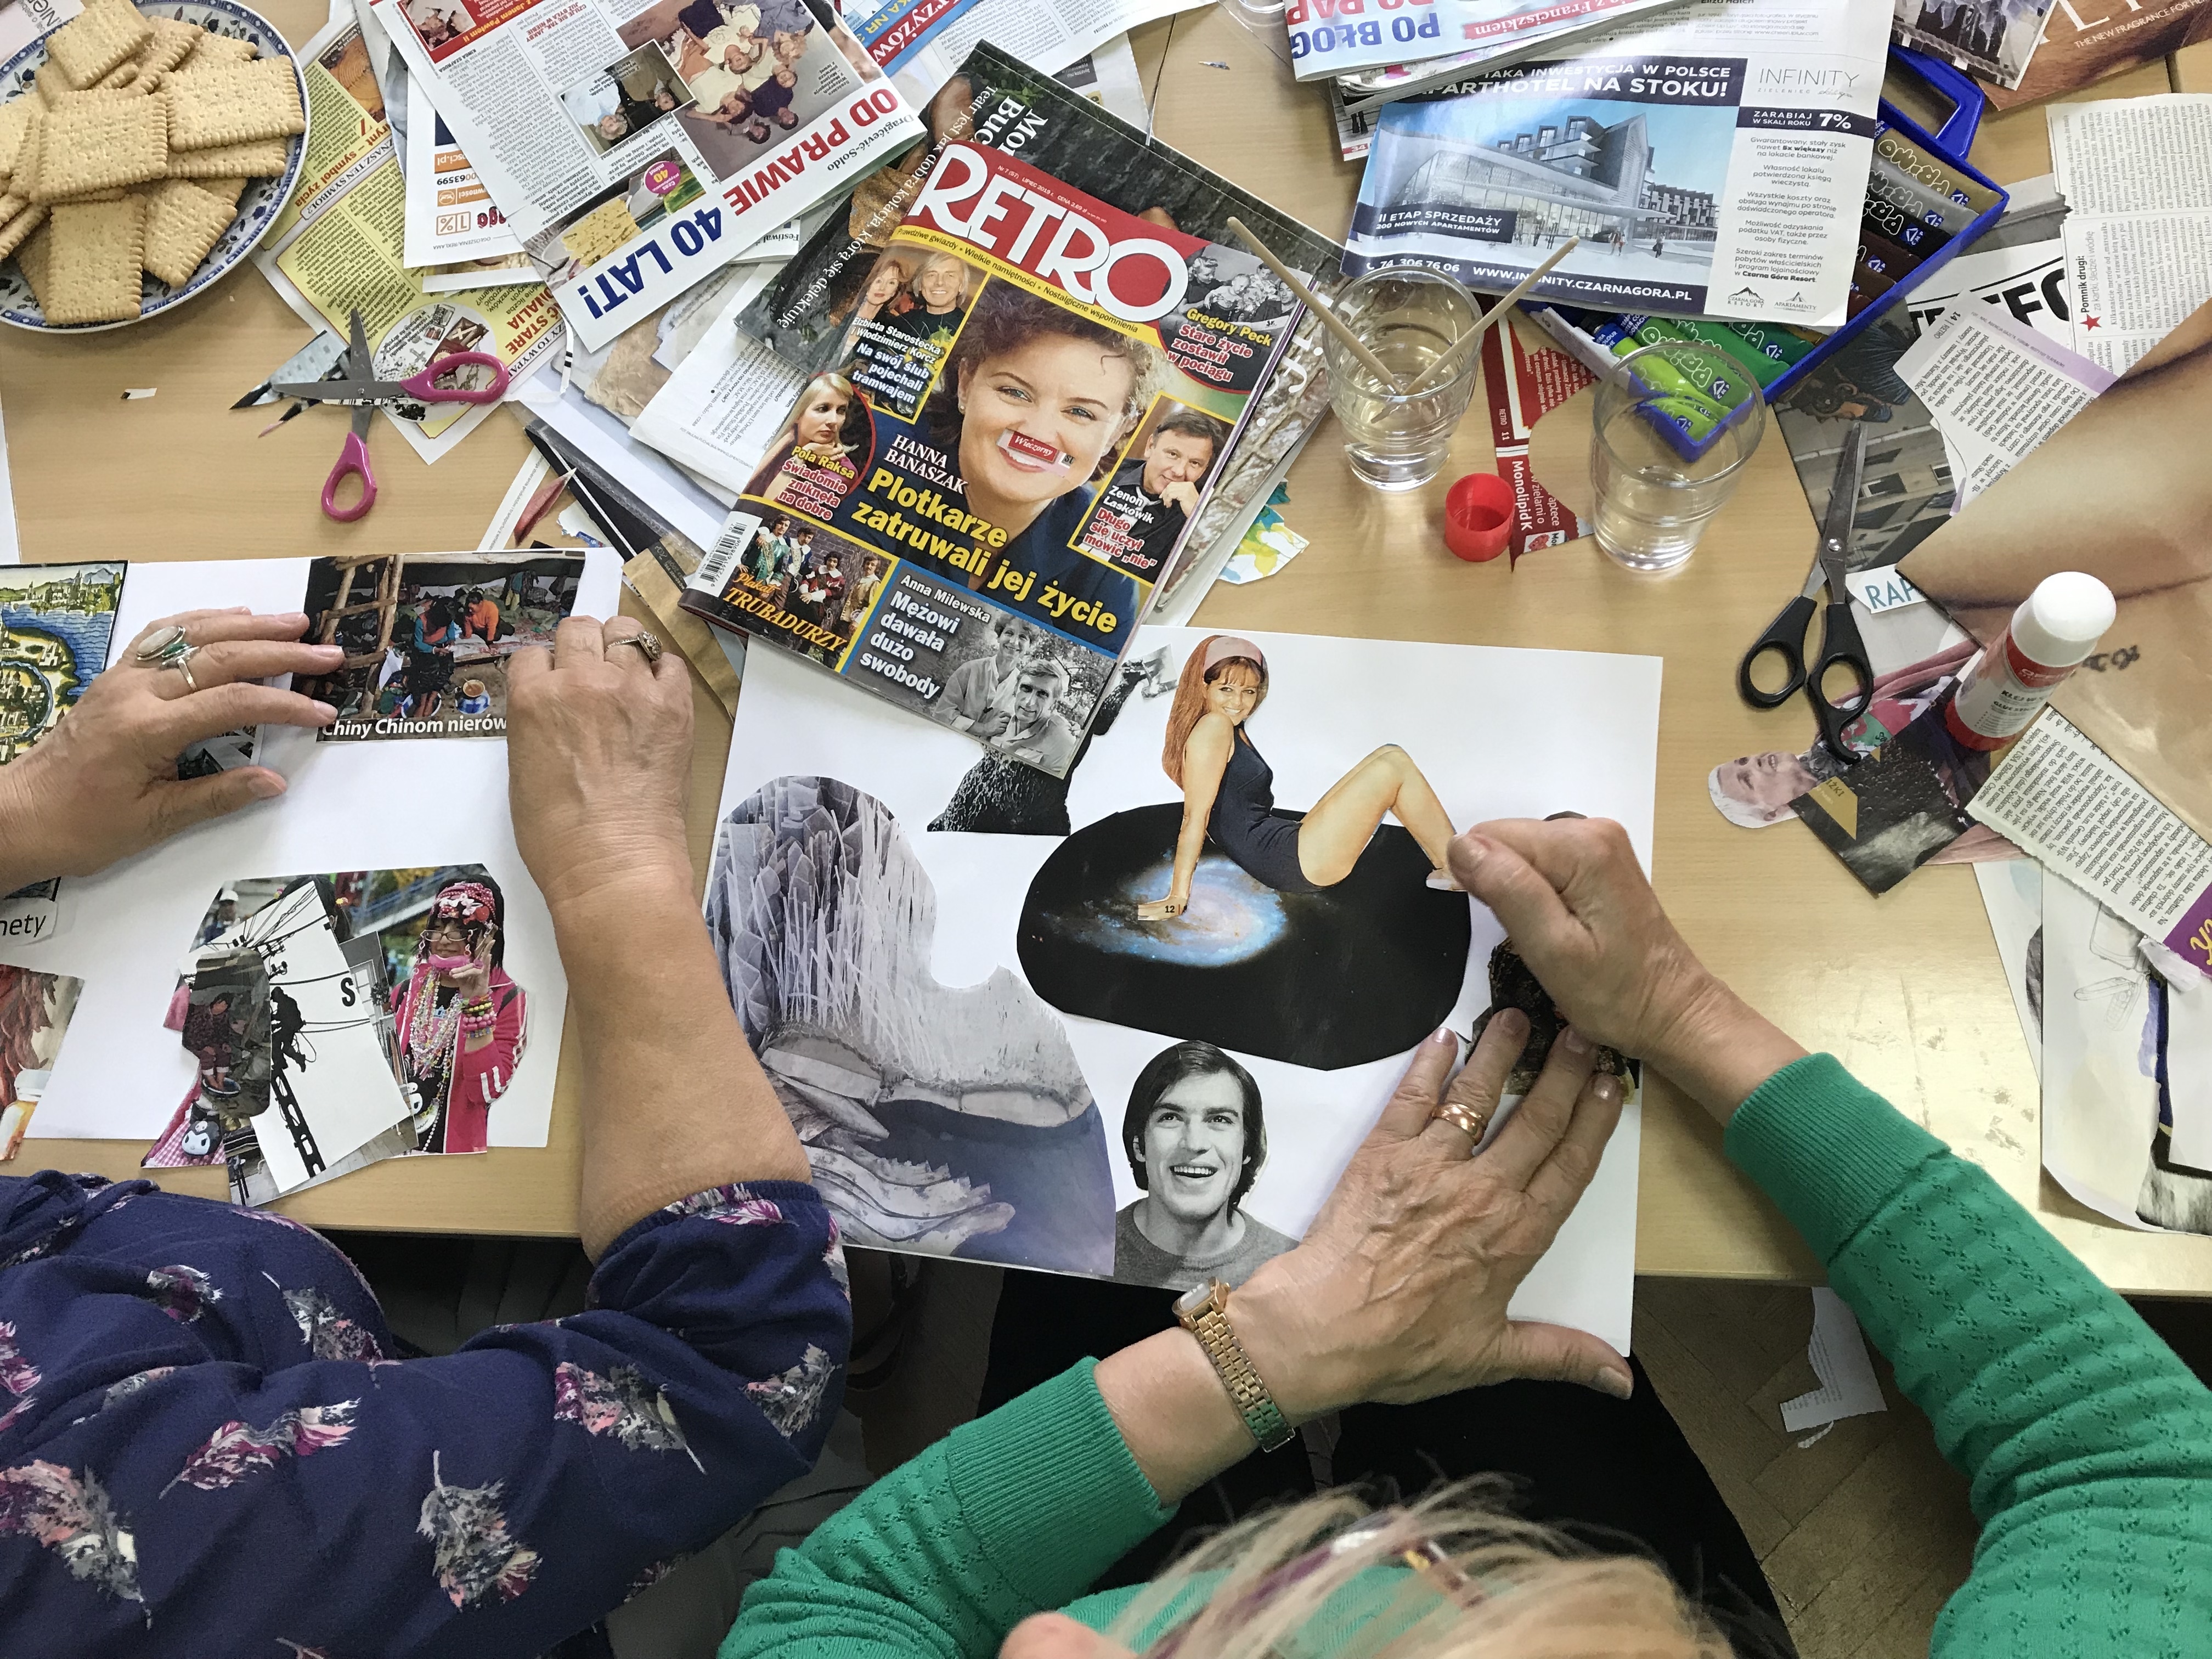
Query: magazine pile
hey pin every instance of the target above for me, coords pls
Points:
(1025, 413)
(1703, 159)
(635, 149)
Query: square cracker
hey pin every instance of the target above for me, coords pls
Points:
(97, 251)
(228, 190)
(88, 143)
(51, 83)
(99, 37)
(23, 177)
(34, 253)
(15, 121)
(211, 50)
(233, 104)
(170, 42)
(183, 223)
(264, 158)
(18, 229)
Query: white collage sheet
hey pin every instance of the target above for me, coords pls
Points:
(910, 988)
(397, 805)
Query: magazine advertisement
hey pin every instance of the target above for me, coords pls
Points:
(450, 217)
(2084, 45)
(1015, 459)
(841, 279)
(1991, 39)
(339, 246)
(635, 150)
(1337, 37)
(920, 42)
(1701, 162)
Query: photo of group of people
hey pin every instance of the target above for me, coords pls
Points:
(904, 325)
(427, 639)
(341, 1017)
(1230, 285)
(750, 72)
(815, 575)
(441, 24)
(627, 97)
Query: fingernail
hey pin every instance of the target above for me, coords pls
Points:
(299, 616)
(1576, 1042)
(266, 784)
(1444, 1034)
(1512, 1019)
(1619, 1384)
(327, 651)
(324, 714)
(1607, 1089)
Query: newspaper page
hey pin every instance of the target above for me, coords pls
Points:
(1021, 454)
(1997, 389)
(339, 246)
(1337, 37)
(1992, 39)
(1704, 162)
(2027, 283)
(725, 402)
(921, 43)
(2139, 221)
(635, 150)
(451, 216)
(2063, 799)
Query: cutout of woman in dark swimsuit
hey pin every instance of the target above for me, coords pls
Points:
(1229, 793)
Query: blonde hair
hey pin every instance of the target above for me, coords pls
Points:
(1189, 705)
(1489, 1587)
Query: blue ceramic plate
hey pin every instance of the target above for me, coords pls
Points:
(256, 208)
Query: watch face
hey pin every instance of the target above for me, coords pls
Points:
(1193, 1302)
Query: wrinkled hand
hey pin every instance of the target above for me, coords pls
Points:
(103, 784)
(599, 745)
(1400, 1291)
(1577, 906)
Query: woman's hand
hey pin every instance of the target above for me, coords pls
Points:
(103, 784)
(599, 761)
(1400, 1291)
(1578, 908)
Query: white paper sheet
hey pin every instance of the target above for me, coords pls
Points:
(1583, 736)
(2100, 1100)
(396, 803)
(724, 403)
(1838, 1353)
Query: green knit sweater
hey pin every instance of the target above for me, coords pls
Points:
(2088, 1445)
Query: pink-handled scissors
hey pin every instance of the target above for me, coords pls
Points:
(363, 395)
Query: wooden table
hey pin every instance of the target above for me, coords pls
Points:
(1905, 990)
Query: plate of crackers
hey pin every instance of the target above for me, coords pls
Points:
(144, 149)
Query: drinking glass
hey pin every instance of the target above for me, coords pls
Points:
(1674, 426)
(1408, 318)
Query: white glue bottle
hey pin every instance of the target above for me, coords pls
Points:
(2055, 627)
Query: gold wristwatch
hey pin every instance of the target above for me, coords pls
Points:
(1203, 1310)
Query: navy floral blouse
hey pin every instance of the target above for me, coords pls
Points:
(206, 1444)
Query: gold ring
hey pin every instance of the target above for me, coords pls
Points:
(647, 646)
(1468, 1121)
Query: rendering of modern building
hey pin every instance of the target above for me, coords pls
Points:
(1579, 179)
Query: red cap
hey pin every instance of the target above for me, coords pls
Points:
(1478, 516)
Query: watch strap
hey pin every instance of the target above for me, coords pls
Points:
(1208, 1321)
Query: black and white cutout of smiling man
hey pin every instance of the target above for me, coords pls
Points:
(1195, 1139)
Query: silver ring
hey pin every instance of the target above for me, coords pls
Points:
(647, 646)
(182, 662)
(160, 649)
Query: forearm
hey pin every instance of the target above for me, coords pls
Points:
(1721, 1049)
(673, 1100)
(1174, 1414)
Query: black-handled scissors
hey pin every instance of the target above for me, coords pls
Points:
(1840, 646)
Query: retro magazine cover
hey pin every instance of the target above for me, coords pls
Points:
(968, 513)
(807, 315)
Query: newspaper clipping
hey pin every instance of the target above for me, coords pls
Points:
(1703, 162)
(635, 149)
(339, 246)
(1335, 37)
(920, 42)
(1016, 454)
